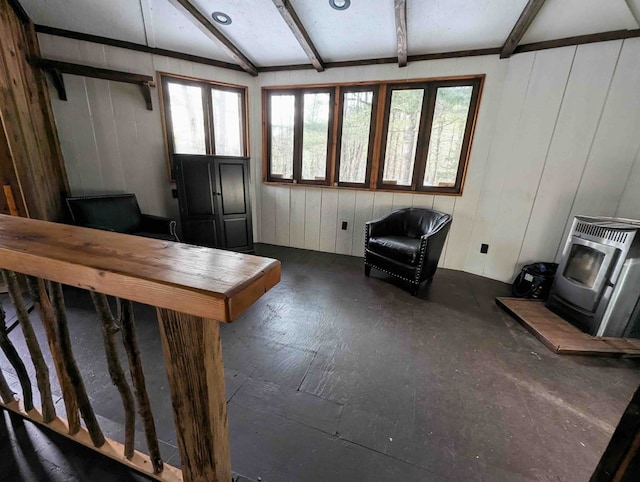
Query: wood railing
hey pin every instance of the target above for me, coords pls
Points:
(193, 289)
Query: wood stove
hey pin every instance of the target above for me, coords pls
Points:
(597, 285)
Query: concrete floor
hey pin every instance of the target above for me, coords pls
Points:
(332, 376)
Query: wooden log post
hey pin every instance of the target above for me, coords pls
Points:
(38, 291)
(16, 362)
(129, 340)
(109, 330)
(5, 391)
(39, 365)
(193, 357)
(86, 410)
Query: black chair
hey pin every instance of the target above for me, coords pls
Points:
(119, 213)
(406, 244)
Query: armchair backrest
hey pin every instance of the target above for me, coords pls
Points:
(116, 212)
(416, 222)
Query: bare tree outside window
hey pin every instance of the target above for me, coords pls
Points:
(402, 136)
(187, 119)
(227, 122)
(315, 135)
(356, 127)
(282, 126)
(447, 135)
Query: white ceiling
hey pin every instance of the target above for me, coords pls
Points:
(365, 30)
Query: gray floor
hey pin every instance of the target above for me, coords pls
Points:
(332, 376)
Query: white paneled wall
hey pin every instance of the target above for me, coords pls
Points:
(558, 134)
(110, 141)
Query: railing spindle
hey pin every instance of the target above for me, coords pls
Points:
(127, 327)
(88, 415)
(40, 366)
(17, 364)
(109, 330)
(5, 391)
(40, 297)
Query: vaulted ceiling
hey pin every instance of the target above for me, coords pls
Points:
(366, 30)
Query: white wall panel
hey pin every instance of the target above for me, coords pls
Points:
(313, 205)
(282, 215)
(445, 204)
(629, 206)
(268, 214)
(363, 213)
(401, 200)
(582, 106)
(297, 213)
(346, 213)
(328, 220)
(382, 204)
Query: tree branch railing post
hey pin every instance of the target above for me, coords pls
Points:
(193, 289)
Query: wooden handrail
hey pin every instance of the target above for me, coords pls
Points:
(190, 286)
(198, 281)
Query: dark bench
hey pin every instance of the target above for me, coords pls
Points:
(119, 213)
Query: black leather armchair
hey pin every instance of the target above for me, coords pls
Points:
(406, 244)
(119, 213)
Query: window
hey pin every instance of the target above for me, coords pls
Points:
(203, 117)
(299, 135)
(408, 136)
(356, 122)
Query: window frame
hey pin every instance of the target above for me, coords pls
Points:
(206, 85)
(298, 133)
(372, 134)
(383, 91)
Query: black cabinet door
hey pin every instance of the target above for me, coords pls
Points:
(213, 192)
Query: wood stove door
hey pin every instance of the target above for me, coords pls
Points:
(584, 272)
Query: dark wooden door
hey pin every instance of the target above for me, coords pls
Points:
(213, 192)
(234, 213)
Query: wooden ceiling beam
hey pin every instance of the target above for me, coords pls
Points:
(204, 25)
(401, 31)
(300, 33)
(520, 28)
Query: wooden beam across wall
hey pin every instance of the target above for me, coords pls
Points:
(56, 67)
(401, 31)
(59, 32)
(578, 40)
(204, 25)
(520, 28)
(295, 24)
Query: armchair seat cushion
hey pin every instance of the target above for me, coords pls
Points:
(401, 248)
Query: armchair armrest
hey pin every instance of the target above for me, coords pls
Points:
(158, 224)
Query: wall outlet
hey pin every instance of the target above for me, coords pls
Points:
(484, 248)
(344, 225)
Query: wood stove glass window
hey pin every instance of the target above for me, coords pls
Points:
(584, 265)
